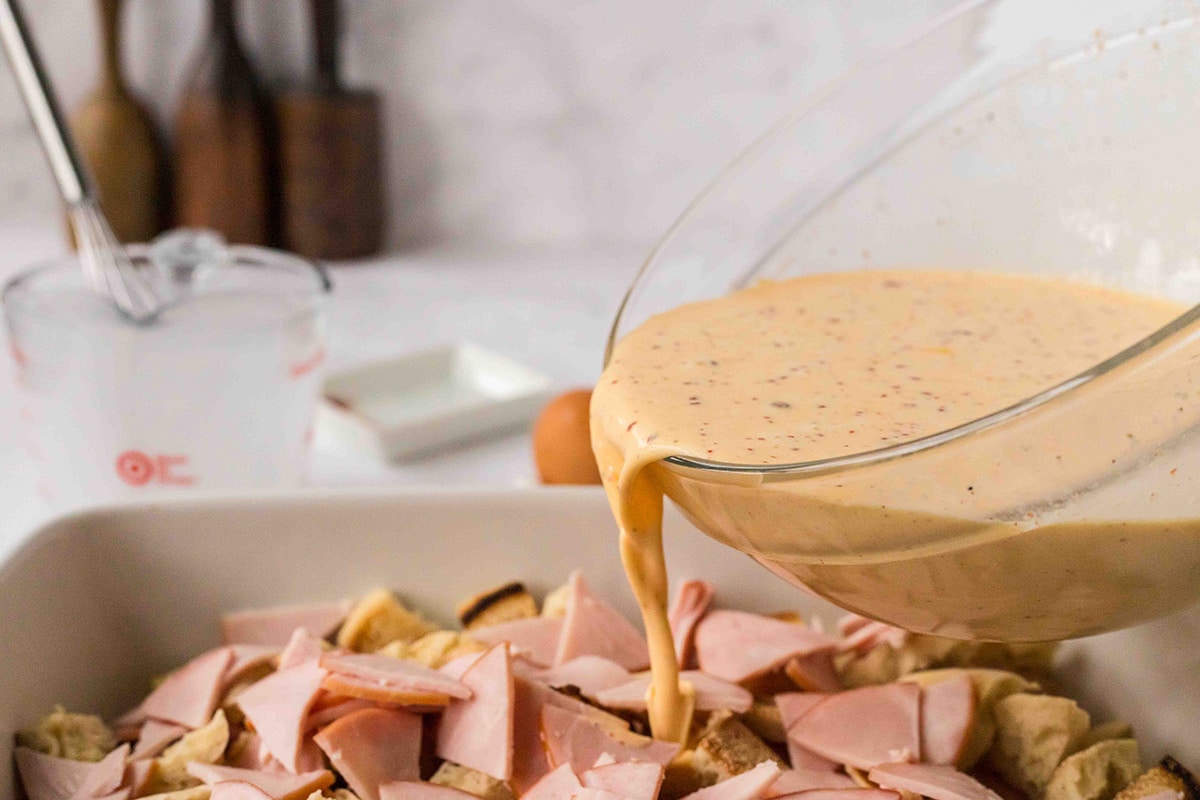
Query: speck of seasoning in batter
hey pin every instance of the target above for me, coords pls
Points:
(781, 404)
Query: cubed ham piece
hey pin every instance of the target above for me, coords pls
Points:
(594, 628)
(302, 647)
(278, 785)
(534, 638)
(801, 758)
(849, 623)
(947, 719)
(456, 667)
(712, 694)
(692, 600)
(634, 781)
(334, 708)
(579, 741)
(749, 785)
(50, 778)
(737, 646)
(554, 785)
(137, 773)
(128, 725)
(417, 790)
(799, 779)
(154, 738)
(814, 672)
(935, 781)
(237, 790)
(382, 694)
(107, 774)
(530, 761)
(189, 695)
(394, 673)
(864, 727)
(478, 732)
(589, 674)
(792, 706)
(274, 626)
(588, 793)
(871, 634)
(278, 707)
(850, 793)
(372, 747)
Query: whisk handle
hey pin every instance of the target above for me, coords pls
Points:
(39, 98)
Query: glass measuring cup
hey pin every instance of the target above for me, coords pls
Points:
(1009, 138)
(217, 393)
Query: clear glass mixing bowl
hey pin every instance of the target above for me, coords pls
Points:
(1057, 139)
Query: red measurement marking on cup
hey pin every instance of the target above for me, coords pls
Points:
(18, 355)
(139, 469)
(302, 368)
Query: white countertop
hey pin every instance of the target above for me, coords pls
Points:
(549, 310)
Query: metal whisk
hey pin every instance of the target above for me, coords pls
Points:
(105, 266)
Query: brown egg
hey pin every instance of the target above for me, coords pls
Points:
(562, 444)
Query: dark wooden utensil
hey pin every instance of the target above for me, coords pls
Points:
(224, 156)
(117, 138)
(331, 166)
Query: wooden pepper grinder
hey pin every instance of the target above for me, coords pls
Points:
(329, 148)
(117, 138)
(224, 160)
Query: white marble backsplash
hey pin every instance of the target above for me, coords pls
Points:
(509, 122)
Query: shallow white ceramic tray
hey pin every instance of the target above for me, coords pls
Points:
(408, 406)
(96, 603)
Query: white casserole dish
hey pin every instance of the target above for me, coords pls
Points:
(95, 603)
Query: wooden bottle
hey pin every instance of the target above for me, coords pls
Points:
(119, 143)
(330, 161)
(224, 137)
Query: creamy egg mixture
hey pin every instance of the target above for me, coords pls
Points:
(833, 365)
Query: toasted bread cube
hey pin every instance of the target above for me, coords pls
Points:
(194, 793)
(878, 666)
(435, 649)
(555, 604)
(765, 721)
(378, 620)
(1168, 776)
(204, 745)
(471, 781)
(1114, 729)
(991, 686)
(1022, 657)
(79, 737)
(1034, 733)
(505, 603)
(727, 748)
(680, 777)
(858, 776)
(1096, 773)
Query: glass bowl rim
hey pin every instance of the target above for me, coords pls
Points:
(739, 472)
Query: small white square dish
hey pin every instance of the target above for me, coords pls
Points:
(407, 407)
(97, 603)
